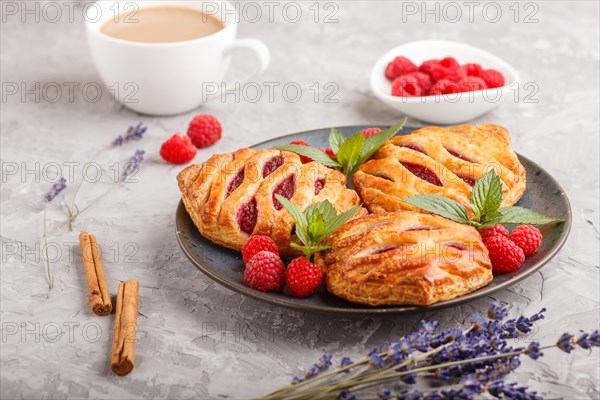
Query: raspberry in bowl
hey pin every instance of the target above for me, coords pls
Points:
(454, 93)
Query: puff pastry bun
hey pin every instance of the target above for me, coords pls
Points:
(441, 161)
(404, 258)
(231, 196)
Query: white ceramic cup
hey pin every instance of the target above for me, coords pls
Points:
(167, 78)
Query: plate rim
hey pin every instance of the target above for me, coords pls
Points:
(290, 304)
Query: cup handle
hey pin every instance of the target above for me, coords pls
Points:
(259, 48)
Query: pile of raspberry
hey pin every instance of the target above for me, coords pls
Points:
(439, 76)
(203, 131)
(265, 271)
(507, 251)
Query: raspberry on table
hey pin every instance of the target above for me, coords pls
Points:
(178, 149)
(496, 230)
(303, 277)
(471, 84)
(406, 86)
(304, 159)
(204, 130)
(371, 131)
(256, 244)
(399, 66)
(527, 237)
(426, 66)
(492, 78)
(505, 255)
(444, 86)
(265, 272)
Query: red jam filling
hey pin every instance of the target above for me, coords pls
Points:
(423, 172)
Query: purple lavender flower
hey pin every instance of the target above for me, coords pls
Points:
(56, 189)
(525, 324)
(509, 329)
(399, 350)
(478, 320)
(496, 387)
(133, 133)
(497, 311)
(429, 326)
(347, 395)
(587, 341)
(133, 164)
(512, 391)
(409, 379)
(375, 359)
(414, 396)
(565, 342)
(345, 361)
(384, 394)
(320, 366)
(472, 385)
(584, 341)
(533, 350)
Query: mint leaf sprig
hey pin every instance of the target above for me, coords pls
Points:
(314, 224)
(485, 201)
(350, 153)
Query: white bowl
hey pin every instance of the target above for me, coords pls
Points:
(449, 108)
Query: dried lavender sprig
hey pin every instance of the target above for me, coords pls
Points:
(312, 391)
(133, 164)
(56, 189)
(133, 133)
(420, 340)
(533, 351)
(365, 383)
(493, 332)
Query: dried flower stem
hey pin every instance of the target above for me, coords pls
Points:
(94, 202)
(72, 209)
(50, 283)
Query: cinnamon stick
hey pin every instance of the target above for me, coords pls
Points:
(99, 296)
(123, 348)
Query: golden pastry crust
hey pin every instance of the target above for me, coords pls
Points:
(404, 258)
(456, 156)
(216, 192)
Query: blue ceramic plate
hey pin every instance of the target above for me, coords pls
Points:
(544, 194)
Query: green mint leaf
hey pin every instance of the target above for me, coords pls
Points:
(490, 220)
(298, 217)
(293, 210)
(316, 227)
(349, 153)
(311, 152)
(308, 251)
(522, 215)
(335, 140)
(326, 209)
(315, 223)
(332, 224)
(440, 205)
(373, 143)
(486, 195)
